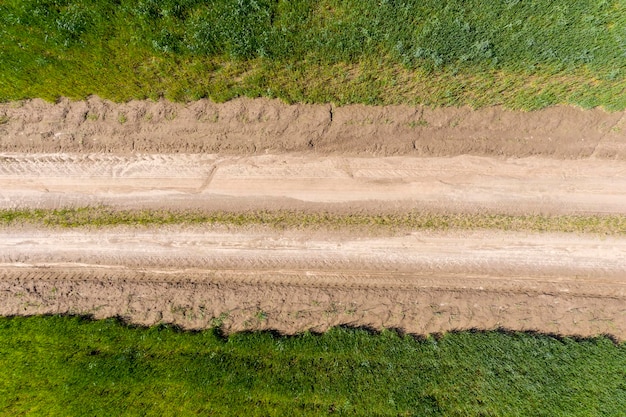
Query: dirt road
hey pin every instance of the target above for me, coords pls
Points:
(559, 161)
(496, 254)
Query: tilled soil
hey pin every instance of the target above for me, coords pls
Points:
(261, 154)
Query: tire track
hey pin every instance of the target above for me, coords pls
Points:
(103, 165)
(274, 181)
(543, 258)
(498, 254)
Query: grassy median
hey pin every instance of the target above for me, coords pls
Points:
(99, 217)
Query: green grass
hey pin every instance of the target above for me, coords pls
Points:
(522, 54)
(99, 217)
(73, 366)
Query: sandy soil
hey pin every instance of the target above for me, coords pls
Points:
(207, 181)
(261, 154)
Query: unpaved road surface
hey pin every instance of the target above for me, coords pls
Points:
(264, 155)
(497, 254)
(461, 183)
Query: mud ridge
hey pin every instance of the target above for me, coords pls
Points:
(245, 304)
(259, 126)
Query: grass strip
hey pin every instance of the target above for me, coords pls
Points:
(55, 365)
(108, 217)
(522, 54)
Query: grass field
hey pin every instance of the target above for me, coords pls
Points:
(476, 52)
(109, 217)
(74, 366)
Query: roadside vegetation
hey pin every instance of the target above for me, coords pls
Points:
(55, 365)
(520, 54)
(99, 217)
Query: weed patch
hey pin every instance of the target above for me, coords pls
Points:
(108, 217)
(99, 217)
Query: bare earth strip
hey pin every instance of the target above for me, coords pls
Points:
(290, 281)
(252, 155)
